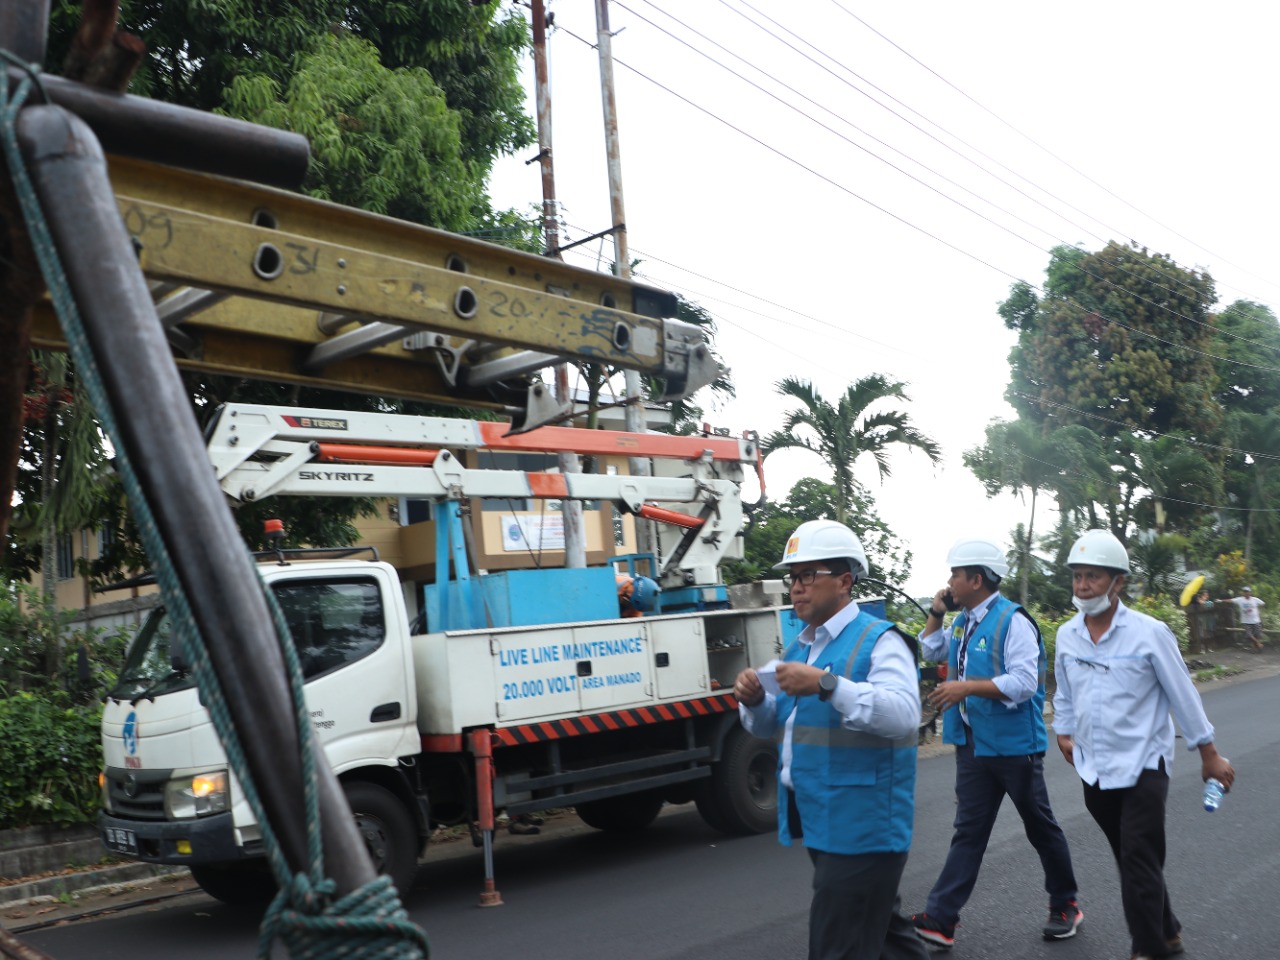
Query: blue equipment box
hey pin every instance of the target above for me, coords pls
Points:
(527, 598)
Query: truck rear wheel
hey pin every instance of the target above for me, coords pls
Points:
(242, 883)
(629, 813)
(388, 832)
(742, 794)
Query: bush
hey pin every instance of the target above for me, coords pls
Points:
(40, 653)
(50, 680)
(1169, 613)
(50, 757)
(1049, 622)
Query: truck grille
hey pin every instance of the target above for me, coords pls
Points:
(137, 794)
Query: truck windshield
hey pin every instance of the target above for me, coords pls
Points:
(149, 666)
(334, 621)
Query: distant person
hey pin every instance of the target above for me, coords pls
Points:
(994, 715)
(1120, 675)
(1250, 608)
(844, 705)
(1200, 618)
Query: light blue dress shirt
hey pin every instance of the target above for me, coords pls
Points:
(886, 704)
(1114, 698)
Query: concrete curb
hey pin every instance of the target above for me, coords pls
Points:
(110, 879)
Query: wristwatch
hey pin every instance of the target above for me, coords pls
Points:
(827, 684)
(935, 613)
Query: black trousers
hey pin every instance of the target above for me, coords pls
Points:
(1132, 818)
(855, 911)
(982, 783)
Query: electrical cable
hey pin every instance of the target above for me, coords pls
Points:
(1034, 143)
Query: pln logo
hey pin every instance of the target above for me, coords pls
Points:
(130, 734)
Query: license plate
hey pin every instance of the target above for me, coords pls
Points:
(119, 840)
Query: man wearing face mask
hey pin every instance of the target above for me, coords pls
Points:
(1108, 655)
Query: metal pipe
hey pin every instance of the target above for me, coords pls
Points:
(482, 749)
(181, 137)
(158, 431)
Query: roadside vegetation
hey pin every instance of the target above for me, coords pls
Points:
(52, 679)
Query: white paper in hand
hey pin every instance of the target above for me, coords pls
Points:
(768, 675)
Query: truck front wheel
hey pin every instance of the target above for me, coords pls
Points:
(629, 813)
(388, 832)
(741, 796)
(243, 883)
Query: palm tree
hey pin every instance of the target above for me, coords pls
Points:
(842, 432)
(1174, 470)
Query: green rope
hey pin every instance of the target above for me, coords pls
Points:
(369, 921)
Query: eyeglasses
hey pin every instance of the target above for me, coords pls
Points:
(805, 578)
(1093, 664)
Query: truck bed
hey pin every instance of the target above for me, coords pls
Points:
(511, 676)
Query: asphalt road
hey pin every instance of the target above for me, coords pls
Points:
(682, 891)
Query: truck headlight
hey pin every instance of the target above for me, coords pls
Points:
(196, 796)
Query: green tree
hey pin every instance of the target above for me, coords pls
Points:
(207, 55)
(1120, 343)
(842, 432)
(62, 466)
(1027, 459)
(1179, 479)
(1254, 481)
(1247, 339)
(812, 499)
(1156, 561)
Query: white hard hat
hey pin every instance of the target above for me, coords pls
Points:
(824, 540)
(1099, 548)
(979, 552)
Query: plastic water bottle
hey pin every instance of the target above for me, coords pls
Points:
(1212, 794)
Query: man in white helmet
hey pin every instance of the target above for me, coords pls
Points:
(994, 715)
(1119, 676)
(844, 704)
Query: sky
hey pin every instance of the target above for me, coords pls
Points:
(859, 198)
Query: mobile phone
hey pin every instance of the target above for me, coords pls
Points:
(949, 601)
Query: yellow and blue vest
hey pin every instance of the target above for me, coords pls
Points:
(855, 791)
(998, 730)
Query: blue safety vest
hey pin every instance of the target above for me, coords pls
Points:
(855, 791)
(998, 730)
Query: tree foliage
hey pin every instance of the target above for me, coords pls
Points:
(1119, 342)
(811, 499)
(1028, 459)
(1123, 347)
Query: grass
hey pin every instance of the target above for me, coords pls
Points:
(1217, 673)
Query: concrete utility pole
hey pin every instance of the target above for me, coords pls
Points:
(575, 540)
(634, 408)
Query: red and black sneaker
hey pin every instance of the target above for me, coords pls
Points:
(931, 931)
(1063, 921)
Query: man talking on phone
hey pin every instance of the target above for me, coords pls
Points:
(993, 705)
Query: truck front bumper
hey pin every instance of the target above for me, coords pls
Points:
(206, 840)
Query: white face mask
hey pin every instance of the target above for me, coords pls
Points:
(1094, 605)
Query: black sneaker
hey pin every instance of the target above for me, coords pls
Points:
(1063, 921)
(931, 931)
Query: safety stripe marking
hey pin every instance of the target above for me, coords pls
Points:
(615, 720)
